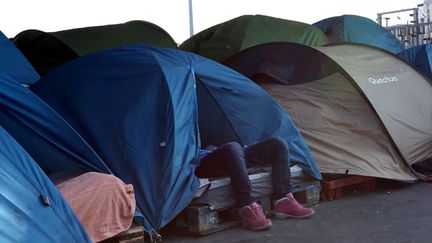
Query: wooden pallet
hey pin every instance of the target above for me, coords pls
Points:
(307, 193)
(135, 234)
(334, 187)
(201, 220)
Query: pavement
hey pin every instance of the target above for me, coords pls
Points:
(393, 212)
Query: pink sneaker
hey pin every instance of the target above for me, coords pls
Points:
(253, 217)
(288, 207)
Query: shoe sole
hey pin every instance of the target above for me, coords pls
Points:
(265, 227)
(285, 216)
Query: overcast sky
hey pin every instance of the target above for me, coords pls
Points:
(173, 15)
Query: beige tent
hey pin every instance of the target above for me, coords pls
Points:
(362, 110)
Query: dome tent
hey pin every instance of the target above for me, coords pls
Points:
(226, 39)
(47, 50)
(360, 30)
(141, 120)
(58, 147)
(90, 39)
(125, 114)
(362, 110)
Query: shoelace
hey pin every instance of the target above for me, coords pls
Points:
(256, 205)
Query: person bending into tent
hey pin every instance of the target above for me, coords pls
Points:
(232, 159)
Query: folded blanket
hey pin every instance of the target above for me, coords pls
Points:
(104, 204)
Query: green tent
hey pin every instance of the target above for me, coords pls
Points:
(227, 39)
(90, 39)
(46, 51)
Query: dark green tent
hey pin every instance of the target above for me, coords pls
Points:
(361, 30)
(90, 39)
(48, 50)
(227, 39)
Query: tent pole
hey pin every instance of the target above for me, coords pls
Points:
(191, 30)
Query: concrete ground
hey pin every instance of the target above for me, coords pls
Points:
(391, 213)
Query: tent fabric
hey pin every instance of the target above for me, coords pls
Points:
(420, 57)
(46, 136)
(135, 78)
(226, 39)
(360, 30)
(47, 50)
(342, 142)
(400, 95)
(396, 110)
(44, 51)
(13, 63)
(32, 209)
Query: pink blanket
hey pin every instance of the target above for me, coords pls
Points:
(104, 204)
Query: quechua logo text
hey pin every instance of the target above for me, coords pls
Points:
(382, 80)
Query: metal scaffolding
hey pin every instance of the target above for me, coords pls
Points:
(414, 32)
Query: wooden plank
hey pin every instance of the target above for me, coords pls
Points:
(135, 234)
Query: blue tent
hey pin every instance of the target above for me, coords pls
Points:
(361, 30)
(46, 136)
(13, 62)
(136, 106)
(31, 208)
(140, 116)
(420, 57)
(49, 139)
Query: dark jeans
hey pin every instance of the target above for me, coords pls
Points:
(232, 159)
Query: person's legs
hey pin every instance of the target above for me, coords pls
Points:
(272, 151)
(275, 152)
(228, 160)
